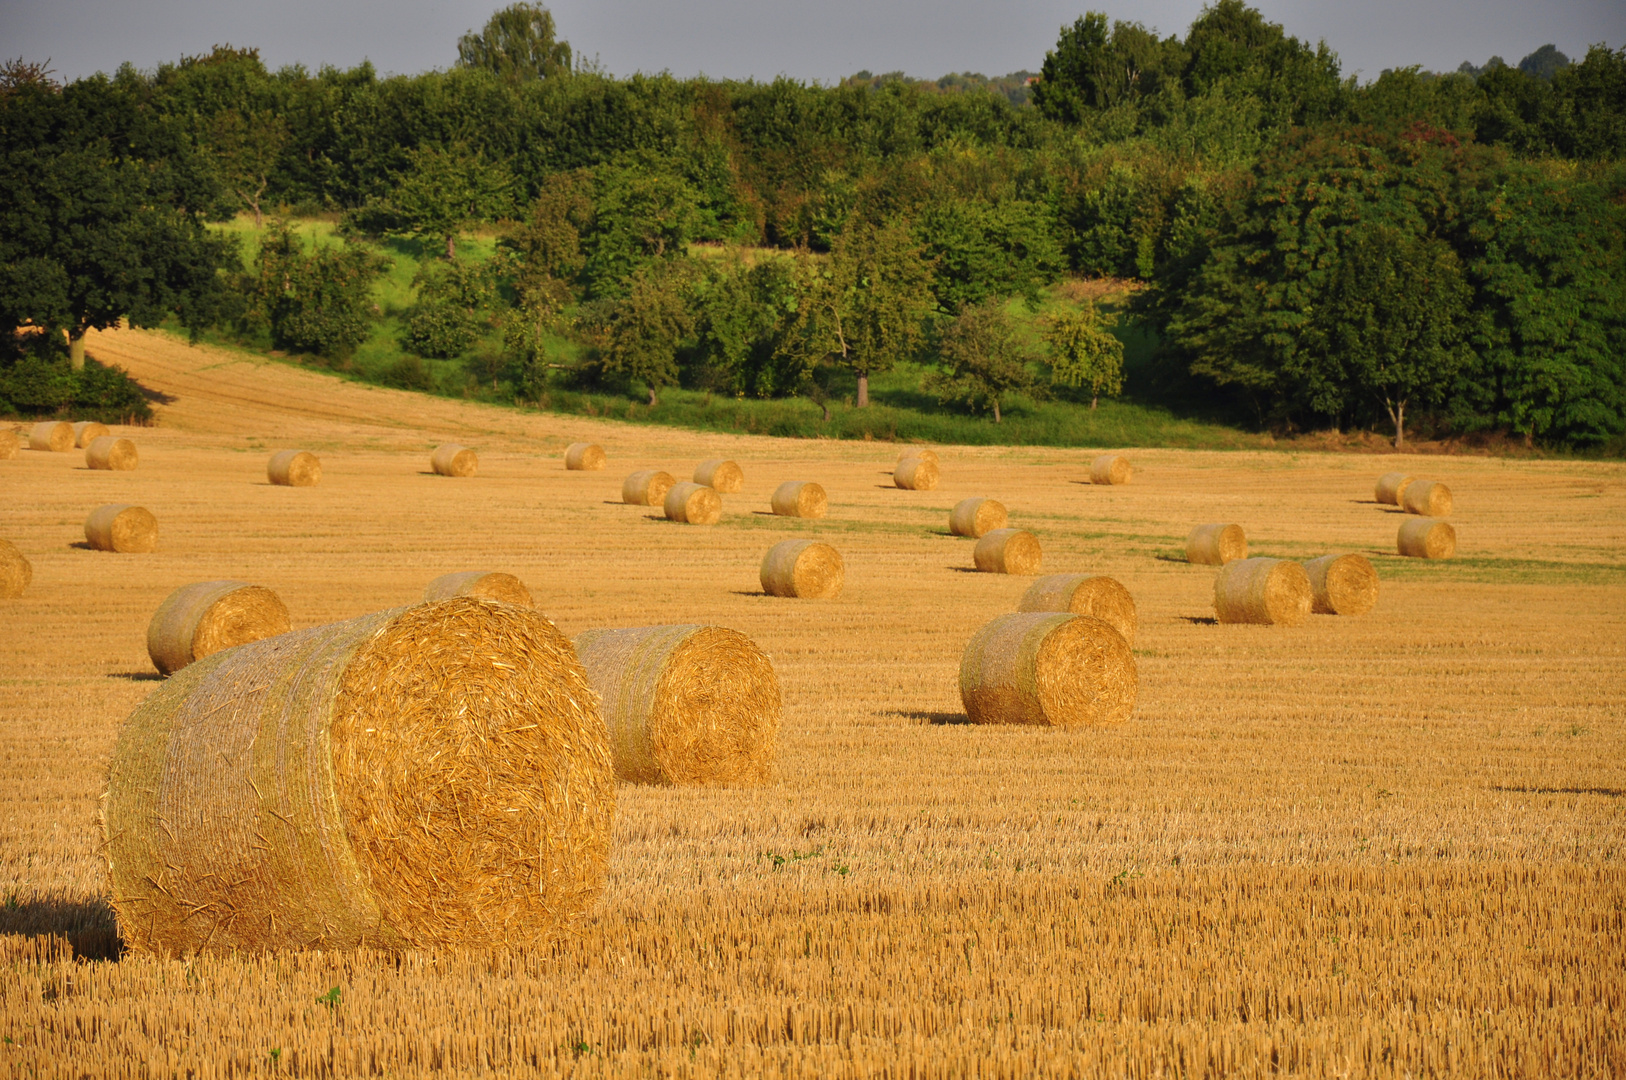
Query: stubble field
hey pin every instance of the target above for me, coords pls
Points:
(1391, 845)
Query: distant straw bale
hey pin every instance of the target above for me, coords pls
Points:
(1262, 591)
(806, 569)
(454, 460)
(647, 487)
(689, 705)
(86, 432)
(584, 457)
(16, 572)
(53, 435)
(721, 475)
(112, 452)
(916, 474)
(129, 530)
(479, 584)
(1427, 498)
(1084, 594)
(1216, 545)
(202, 619)
(1048, 668)
(1111, 469)
(424, 778)
(10, 445)
(1391, 486)
(695, 504)
(1342, 584)
(1427, 538)
(294, 468)
(977, 516)
(799, 498)
(1008, 551)
(925, 453)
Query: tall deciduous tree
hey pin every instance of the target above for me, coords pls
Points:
(1084, 353)
(442, 194)
(518, 43)
(982, 358)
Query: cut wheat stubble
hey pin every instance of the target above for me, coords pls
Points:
(916, 473)
(112, 453)
(585, 457)
(1391, 486)
(294, 468)
(1051, 669)
(1111, 469)
(1342, 584)
(799, 498)
(207, 617)
(1084, 594)
(1008, 551)
(86, 432)
(1216, 545)
(647, 487)
(16, 572)
(1264, 591)
(806, 569)
(10, 445)
(55, 436)
(479, 584)
(451, 459)
(1427, 498)
(129, 530)
(721, 475)
(977, 516)
(1426, 538)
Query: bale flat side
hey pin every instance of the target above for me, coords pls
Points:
(916, 474)
(479, 584)
(1216, 545)
(55, 436)
(1085, 594)
(693, 504)
(16, 572)
(806, 569)
(1048, 668)
(207, 617)
(1111, 469)
(1427, 499)
(1264, 591)
(647, 487)
(122, 528)
(1342, 584)
(585, 457)
(454, 460)
(800, 498)
(1390, 487)
(86, 432)
(977, 516)
(10, 445)
(294, 468)
(112, 452)
(1008, 551)
(721, 475)
(1427, 538)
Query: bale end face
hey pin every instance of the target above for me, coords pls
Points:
(16, 572)
(55, 436)
(86, 432)
(1427, 499)
(806, 569)
(916, 474)
(1084, 594)
(1050, 669)
(1390, 488)
(208, 617)
(480, 585)
(647, 487)
(721, 475)
(923, 452)
(977, 517)
(111, 452)
(1216, 545)
(1264, 591)
(1111, 469)
(585, 457)
(1008, 551)
(125, 529)
(1427, 538)
(800, 498)
(1342, 584)
(294, 468)
(693, 504)
(454, 460)
(10, 445)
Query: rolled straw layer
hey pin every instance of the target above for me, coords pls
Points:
(1391, 486)
(1111, 469)
(294, 468)
(925, 453)
(1084, 594)
(916, 474)
(977, 516)
(1216, 545)
(454, 460)
(16, 572)
(585, 457)
(1008, 551)
(86, 432)
(721, 475)
(1342, 584)
(647, 487)
(1427, 498)
(10, 445)
(695, 504)
(1262, 591)
(126, 529)
(202, 619)
(480, 585)
(428, 777)
(803, 568)
(693, 705)
(53, 435)
(112, 452)
(1427, 538)
(1048, 668)
(799, 498)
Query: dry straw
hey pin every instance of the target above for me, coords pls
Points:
(479, 584)
(916, 473)
(54, 435)
(16, 572)
(1427, 538)
(1391, 486)
(977, 516)
(1008, 551)
(454, 460)
(202, 619)
(1111, 469)
(10, 445)
(125, 529)
(647, 487)
(584, 457)
(294, 468)
(86, 432)
(1048, 668)
(1216, 545)
(1427, 498)
(691, 705)
(1342, 584)
(1084, 594)
(806, 569)
(925, 453)
(1262, 591)
(112, 452)
(427, 777)
(695, 504)
(799, 498)
(721, 475)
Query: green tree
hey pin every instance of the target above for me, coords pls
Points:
(313, 302)
(981, 358)
(1084, 353)
(544, 253)
(637, 337)
(442, 195)
(1093, 69)
(519, 43)
(641, 214)
(453, 298)
(247, 147)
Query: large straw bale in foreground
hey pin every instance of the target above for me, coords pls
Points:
(1427, 498)
(916, 474)
(1427, 538)
(479, 584)
(977, 516)
(294, 468)
(202, 619)
(53, 435)
(1262, 591)
(10, 444)
(721, 475)
(1008, 551)
(693, 705)
(1391, 486)
(427, 777)
(693, 503)
(1111, 469)
(803, 568)
(86, 432)
(1342, 584)
(16, 572)
(1216, 545)
(1048, 668)
(112, 452)
(130, 530)
(585, 457)
(799, 498)
(1084, 594)
(451, 459)
(647, 487)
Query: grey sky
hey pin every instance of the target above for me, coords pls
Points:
(823, 39)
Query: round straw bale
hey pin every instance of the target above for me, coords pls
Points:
(693, 503)
(1427, 538)
(800, 498)
(803, 568)
(976, 517)
(86, 432)
(1427, 498)
(54, 435)
(1262, 591)
(647, 487)
(1008, 551)
(433, 776)
(1084, 594)
(916, 474)
(122, 528)
(1048, 668)
(691, 705)
(721, 475)
(1342, 584)
(925, 453)
(10, 445)
(454, 460)
(16, 572)
(584, 457)
(480, 584)
(294, 468)
(1391, 486)
(1216, 545)
(199, 620)
(112, 452)
(1111, 469)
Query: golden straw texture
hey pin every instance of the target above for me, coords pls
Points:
(1048, 668)
(1427, 498)
(428, 777)
(10, 445)
(1111, 469)
(1342, 584)
(1216, 545)
(54, 435)
(585, 457)
(925, 453)
(977, 516)
(1008, 551)
(648, 487)
(121, 528)
(1427, 538)
(294, 468)
(479, 584)
(202, 619)
(1391, 486)
(800, 498)
(803, 568)
(693, 503)
(1084, 594)
(454, 460)
(916, 474)
(86, 432)
(690, 705)
(16, 572)
(721, 475)
(1262, 591)
(112, 452)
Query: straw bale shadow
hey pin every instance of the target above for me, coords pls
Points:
(82, 545)
(1201, 620)
(87, 925)
(1172, 558)
(936, 718)
(1366, 502)
(1606, 792)
(136, 676)
(973, 570)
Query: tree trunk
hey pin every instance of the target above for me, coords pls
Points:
(863, 389)
(996, 408)
(1397, 414)
(652, 401)
(1094, 401)
(825, 405)
(451, 247)
(1530, 438)
(76, 350)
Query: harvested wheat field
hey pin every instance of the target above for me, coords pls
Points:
(1392, 845)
